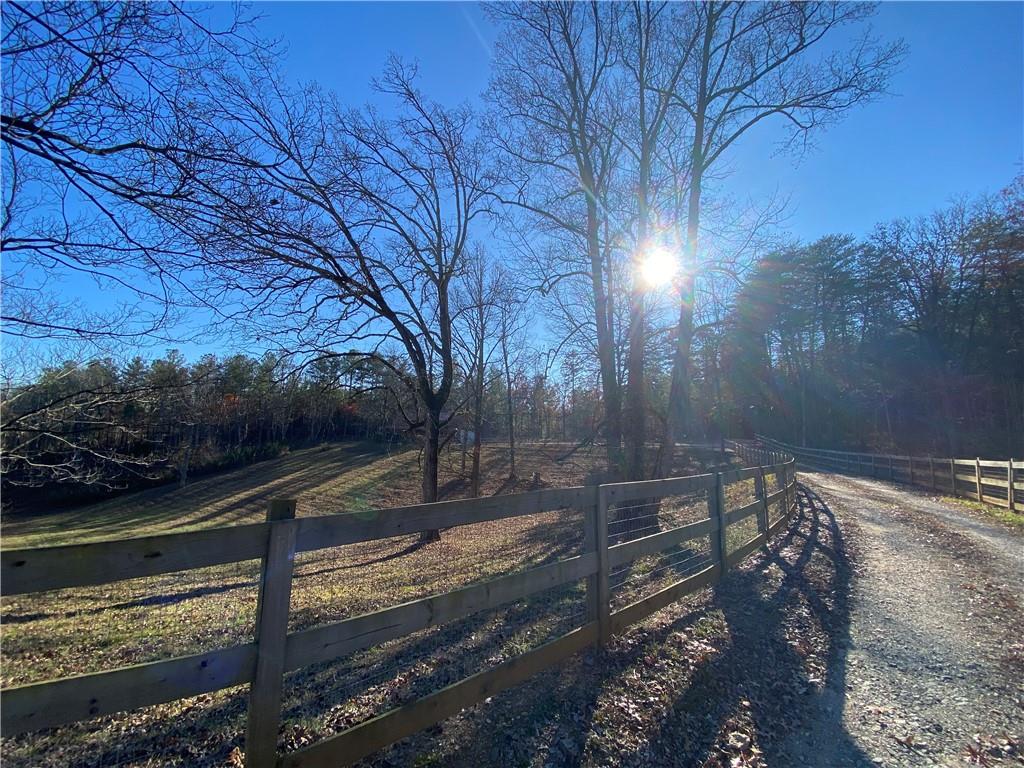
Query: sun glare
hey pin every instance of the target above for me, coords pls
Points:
(658, 266)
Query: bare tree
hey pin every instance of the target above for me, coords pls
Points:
(554, 111)
(92, 93)
(752, 64)
(330, 229)
(68, 427)
(656, 43)
(477, 338)
(511, 305)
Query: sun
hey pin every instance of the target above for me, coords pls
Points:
(658, 265)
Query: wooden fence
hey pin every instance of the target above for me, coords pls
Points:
(274, 651)
(993, 482)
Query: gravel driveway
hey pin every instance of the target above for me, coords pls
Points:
(934, 663)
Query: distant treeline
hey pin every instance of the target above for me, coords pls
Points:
(911, 340)
(84, 431)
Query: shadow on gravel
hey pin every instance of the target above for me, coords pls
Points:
(761, 682)
(796, 712)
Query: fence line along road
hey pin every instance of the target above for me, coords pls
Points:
(993, 482)
(274, 651)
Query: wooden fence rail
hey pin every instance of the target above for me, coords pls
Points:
(993, 482)
(275, 651)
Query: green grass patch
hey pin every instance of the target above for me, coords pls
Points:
(1002, 514)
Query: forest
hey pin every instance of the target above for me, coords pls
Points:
(557, 264)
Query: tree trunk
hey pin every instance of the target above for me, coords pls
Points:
(431, 442)
(678, 400)
(636, 393)
(508, 403)
(610, 396)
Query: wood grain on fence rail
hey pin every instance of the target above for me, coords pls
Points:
(82, 697)
(366, 738)
(276, 652)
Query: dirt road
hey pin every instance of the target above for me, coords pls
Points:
(934, 658)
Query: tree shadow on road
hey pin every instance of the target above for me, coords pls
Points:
(777, 678)
(783, 670)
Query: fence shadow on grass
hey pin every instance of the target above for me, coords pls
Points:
(759, 676)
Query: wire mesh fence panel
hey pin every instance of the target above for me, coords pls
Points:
(340, 582)
(75, 631)
(82, 630)
(332, 696)
(343, 582)
(85, 630)
(91, 629)
(645, 517)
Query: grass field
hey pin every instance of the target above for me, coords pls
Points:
(90, 629)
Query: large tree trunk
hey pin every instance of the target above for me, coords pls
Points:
(636, 391)
(431, 443)
(610, 396)
(679, 390)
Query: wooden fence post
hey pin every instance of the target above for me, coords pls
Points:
(952, 477)
(931, 469)
(1009, 485)
(716, 511)
(873, 472)
(271, 634)
(892, 474)
(790, 476)
(977, 477)
(590, 545)
(762, 517)
(603, 592)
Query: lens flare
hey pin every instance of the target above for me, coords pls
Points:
(658, 266)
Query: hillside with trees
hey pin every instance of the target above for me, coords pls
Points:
(557, 263)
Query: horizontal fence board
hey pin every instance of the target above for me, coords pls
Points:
(349, 528)
(324, 643)
(742, 551)
(366, 738)
(78, 565)
(925, 471)
(48, 704)
(641, 609)
(643, 489)
(742, 513)
(775, 496)
(52, 703)
(620, 554)
(738, 475)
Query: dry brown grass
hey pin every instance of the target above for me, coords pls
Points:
(90, 629)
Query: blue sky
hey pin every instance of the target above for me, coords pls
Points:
(954, 126)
